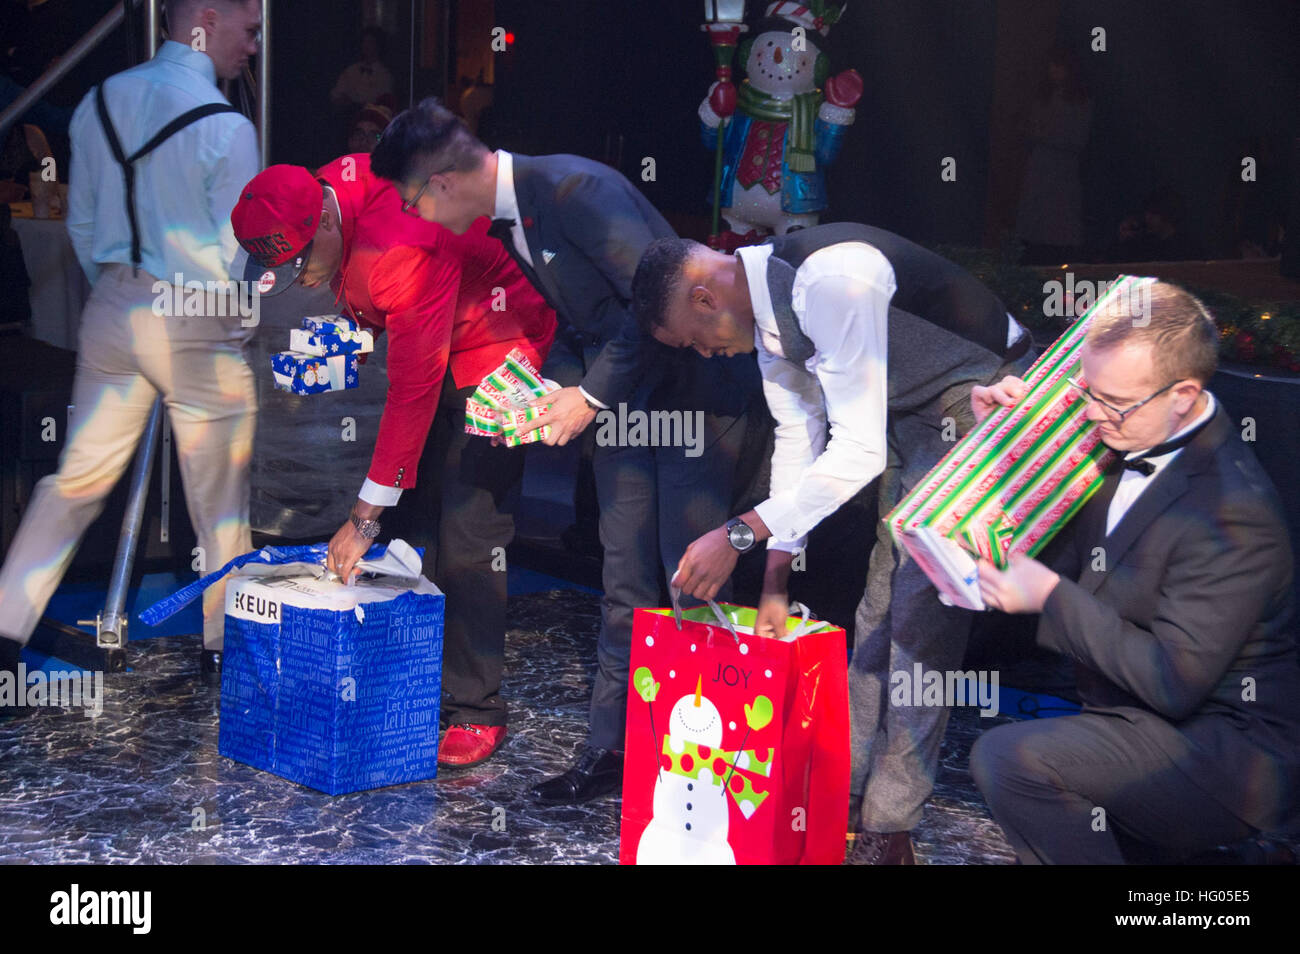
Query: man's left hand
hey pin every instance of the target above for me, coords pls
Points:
(1023, 587)
(568, 414)
(706, 565)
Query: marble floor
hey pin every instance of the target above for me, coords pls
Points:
(143, 782)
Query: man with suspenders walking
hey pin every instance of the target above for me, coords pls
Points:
(158, 161)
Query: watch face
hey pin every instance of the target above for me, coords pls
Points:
(741, 536)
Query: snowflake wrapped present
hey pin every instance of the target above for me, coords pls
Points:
(500, 405)
(1015, 480)
(309, 374)
(328, 343)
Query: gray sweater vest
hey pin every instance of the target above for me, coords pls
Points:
(946, 330)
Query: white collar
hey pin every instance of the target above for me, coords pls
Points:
(187, 56)
(754, 258)
(507, 203)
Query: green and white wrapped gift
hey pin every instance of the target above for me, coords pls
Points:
(1017, 478)
(500, 405)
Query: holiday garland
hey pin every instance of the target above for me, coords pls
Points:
(1263, 334)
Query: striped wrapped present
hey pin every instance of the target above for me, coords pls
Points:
(499, 406)
(1016, 479)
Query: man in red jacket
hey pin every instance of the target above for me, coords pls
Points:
(449, 303)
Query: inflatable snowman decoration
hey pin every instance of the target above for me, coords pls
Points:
(783, 131)
(690, 824)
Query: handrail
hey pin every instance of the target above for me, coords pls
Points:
(264, 88)
(153, 22)
(42, 84)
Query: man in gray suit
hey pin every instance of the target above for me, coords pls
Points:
(868, 345)
(1171, 591)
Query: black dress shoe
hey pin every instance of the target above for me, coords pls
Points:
(210, 667)
(597, 772)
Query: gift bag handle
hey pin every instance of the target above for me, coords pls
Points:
(723, 619)
(807, 624)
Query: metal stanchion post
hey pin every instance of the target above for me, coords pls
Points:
(110, 625)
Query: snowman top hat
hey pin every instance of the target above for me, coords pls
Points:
(816, 15)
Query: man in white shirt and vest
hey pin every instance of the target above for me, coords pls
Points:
(158, 159)
(869, 346)
(1171, 592)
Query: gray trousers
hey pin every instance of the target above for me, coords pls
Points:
(900, 622)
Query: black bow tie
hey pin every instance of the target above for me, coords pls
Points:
(500, 229)
(1144, 466)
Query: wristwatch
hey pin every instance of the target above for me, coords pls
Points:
(367, 528)
(740, 535)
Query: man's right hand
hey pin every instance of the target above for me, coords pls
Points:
(985, 400)
(348, 546)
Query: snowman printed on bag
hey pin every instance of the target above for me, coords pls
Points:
(691, 811)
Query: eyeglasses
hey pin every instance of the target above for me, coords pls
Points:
(1114, 414)
(409, 206)
(412, 202)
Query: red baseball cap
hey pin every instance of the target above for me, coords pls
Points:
(275, 221)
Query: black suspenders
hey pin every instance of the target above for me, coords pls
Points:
(128, 162)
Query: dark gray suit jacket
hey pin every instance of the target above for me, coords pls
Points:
(586, 228)
(1191, 622)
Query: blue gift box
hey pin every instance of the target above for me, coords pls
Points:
(309, 374)
(334, 697)
(323, 343)
(331, 686)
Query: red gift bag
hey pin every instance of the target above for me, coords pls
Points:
(737, 748)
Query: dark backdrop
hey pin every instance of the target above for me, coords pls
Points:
(1181, 90)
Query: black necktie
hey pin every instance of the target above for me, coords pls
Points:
(1144, 466)
(500, 229)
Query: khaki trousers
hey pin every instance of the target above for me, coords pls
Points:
(128, 355)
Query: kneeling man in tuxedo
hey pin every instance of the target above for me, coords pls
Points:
(1172, 594)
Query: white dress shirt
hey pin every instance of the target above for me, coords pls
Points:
(1132, 482)
(185, 189)
(507, 203)
(841, 301)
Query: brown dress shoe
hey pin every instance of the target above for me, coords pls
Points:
(882, 848)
